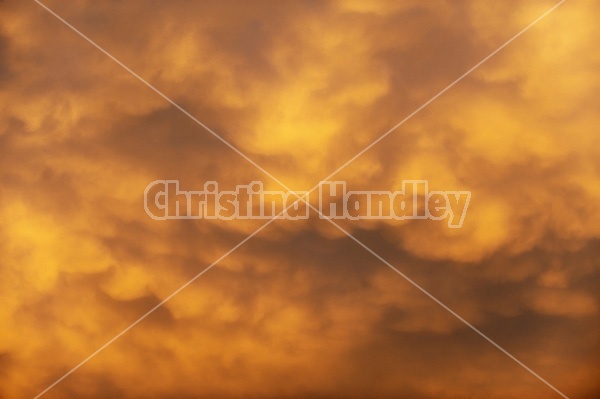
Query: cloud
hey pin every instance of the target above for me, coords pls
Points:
(299, 310)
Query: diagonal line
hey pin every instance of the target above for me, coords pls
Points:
(160, 93)
(432, 99)
(302, 198)
(231, 146)
(424, 291)
(148, 313)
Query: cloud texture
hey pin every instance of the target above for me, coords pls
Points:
(300, 310)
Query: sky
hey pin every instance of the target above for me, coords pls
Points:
(300, 310)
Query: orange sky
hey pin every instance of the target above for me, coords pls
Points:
(300, 310)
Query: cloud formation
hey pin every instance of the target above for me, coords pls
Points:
(300, 310)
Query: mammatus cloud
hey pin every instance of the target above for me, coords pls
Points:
(299, 311)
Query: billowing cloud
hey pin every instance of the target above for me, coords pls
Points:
(299, 310)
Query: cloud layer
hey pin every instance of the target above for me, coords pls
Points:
(299, 310)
